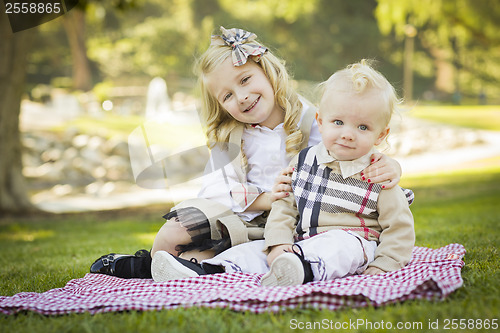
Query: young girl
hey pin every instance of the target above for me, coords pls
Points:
(248, 106)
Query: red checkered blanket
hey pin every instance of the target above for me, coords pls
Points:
(431, 274)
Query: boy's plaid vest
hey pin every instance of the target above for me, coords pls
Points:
(318, 189)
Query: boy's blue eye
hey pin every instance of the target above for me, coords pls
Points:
(363, 127)
(338, 122)
(226, 97)
(245, 79)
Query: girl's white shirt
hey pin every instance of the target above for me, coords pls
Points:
(266, 156)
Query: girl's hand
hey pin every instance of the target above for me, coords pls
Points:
(283, 184)
(276, 251)
(382, 169)
(373, 271)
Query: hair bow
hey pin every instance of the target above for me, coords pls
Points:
(239, 40)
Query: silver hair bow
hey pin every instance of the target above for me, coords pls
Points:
(239, 40)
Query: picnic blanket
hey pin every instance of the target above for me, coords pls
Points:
(431, 274)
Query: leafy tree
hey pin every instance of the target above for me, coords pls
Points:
(75, 26)
(460, 39)
(315, 37)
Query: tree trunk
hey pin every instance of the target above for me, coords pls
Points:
(444, 71)
(74, 24)
(13, 50)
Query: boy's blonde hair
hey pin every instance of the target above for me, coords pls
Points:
(357, 78)
(219, 123)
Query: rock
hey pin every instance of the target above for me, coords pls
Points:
(48, 171)
(117, 168)
(115, 147)
(62, 189)
(100, 189)
(51, 155)
(99, 172)
(70, 154)
(80, 141)
(95, 143)
(91, 156)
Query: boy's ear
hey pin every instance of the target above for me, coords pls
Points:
(318, 118)
(383, 134)
(319, 121)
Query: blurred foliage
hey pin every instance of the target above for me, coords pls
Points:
(131, 41)
(460, 34)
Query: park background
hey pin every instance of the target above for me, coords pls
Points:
(78, 86)
(74, 90)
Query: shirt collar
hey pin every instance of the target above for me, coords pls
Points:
(347, 168)
(279, 127)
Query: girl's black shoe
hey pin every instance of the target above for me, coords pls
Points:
(124, 265)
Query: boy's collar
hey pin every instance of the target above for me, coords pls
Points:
(347, 168)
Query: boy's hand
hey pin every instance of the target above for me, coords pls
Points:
(276, 251)
(382, 169)
(373, 271)
(283, 184)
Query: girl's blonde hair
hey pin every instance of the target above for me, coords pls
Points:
(219, 123)
(359, 77)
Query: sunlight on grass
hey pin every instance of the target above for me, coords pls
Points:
(474, 116)
(116, 126)
(146, 238)
(22, 233)
(452, 176)
(108, 125)
(170, 136)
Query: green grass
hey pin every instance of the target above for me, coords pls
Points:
(44, 252)
(474, 116)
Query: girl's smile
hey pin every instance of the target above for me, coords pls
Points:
(253, 105)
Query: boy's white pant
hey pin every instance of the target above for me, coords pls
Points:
(332, 254)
